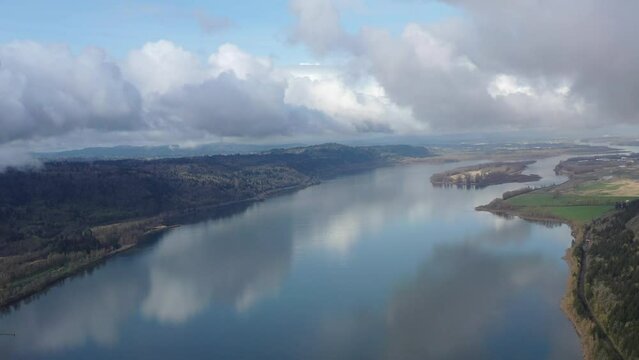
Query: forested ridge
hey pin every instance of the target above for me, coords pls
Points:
(609, 260)
(66, 214)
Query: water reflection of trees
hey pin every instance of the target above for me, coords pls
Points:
(548, 223)
(551, 224)
(461, 186)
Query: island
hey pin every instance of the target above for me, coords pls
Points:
(486, 174)
(600, 202)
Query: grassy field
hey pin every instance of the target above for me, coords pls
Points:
(578, 208)
(598, 186)
(580, 214)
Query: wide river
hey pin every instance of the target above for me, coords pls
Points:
(379, 265)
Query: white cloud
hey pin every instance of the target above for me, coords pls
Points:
(162, 91)
(161, 66)
(514, 65)
(230, 58)
(45, 90)
(505, 85)
(361, 106)
(503, 65)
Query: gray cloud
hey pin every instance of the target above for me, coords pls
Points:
(319, 26)
(504, 64)
(45, 90)
(591, 43)
(159, 91)
(440, 91)
(229, 106)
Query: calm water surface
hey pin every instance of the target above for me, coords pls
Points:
(379, 265)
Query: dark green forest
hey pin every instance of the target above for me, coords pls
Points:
(610, 261)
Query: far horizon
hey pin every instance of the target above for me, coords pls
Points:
(310, 71)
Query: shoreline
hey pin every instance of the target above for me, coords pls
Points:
(157, 227)
(172, 219)
(583, 325)
(162, 222)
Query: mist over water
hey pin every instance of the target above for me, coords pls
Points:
(380, 265)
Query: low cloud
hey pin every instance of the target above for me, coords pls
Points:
(17, 158)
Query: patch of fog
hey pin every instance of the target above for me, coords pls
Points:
(17, 158)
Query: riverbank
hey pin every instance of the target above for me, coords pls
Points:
(595, 341)
(132, 233)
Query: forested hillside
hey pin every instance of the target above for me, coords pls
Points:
(65, 215)
(609, 260)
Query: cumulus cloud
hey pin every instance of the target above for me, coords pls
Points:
(46, 90)
(590, 42)
(230, 58)
(319, 26)
(448, 90)
(228, 106)
(361, 106)
(162, 91)
(232, 94)
(504, 64)
(160, 66)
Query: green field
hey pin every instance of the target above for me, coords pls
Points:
(564, 206)
(579, 213)
(597, 186)
(549, 199)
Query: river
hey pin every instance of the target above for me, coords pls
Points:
(379, 265)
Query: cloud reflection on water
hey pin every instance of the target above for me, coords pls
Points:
(236, 262)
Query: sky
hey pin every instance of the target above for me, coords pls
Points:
(76, 74)
(260, 27)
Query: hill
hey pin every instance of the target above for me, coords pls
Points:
(68, 214)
